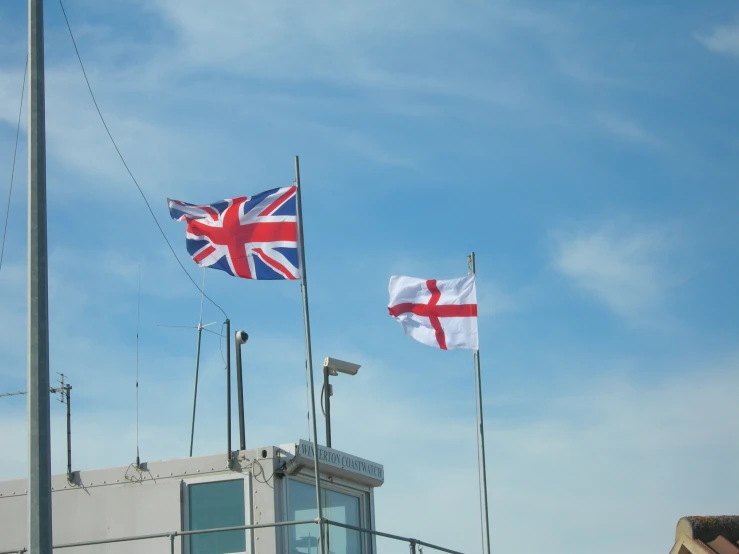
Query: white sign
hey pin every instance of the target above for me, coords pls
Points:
(341, 463)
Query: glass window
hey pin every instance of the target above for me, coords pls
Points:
(212, 505)
(343, 508)
(337, 506)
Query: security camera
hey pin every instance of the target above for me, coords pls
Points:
(335, 367)
(241, 337)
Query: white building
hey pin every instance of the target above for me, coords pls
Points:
(262, 486)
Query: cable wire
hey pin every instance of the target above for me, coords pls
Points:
(12, 171)
(115, 145)
(220, 345)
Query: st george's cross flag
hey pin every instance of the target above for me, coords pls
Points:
(442, 314)
(253, 237)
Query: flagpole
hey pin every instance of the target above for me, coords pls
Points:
(308, 354)
(482, 470)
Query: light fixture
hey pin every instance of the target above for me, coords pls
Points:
(332, 366)
(241, 338)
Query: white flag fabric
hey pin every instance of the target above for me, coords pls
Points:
(442, 314)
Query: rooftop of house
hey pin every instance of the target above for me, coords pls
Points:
(707, 535)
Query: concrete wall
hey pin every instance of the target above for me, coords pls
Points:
(98, 512)
(115, 502)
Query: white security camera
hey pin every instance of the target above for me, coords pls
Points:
(241, 337)
(335, 367)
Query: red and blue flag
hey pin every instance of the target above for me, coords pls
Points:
(253, 237)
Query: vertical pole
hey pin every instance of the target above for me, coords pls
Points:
(240, 393)
(197, 363)
(228, 390)
(138, 319)
(482, 470)
(39, 432)
(195, 393)
(327, 396)
(309, 354)
(68, 390)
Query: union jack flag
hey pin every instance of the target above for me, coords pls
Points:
(253, 237)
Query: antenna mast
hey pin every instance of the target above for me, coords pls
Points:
(64, 390)
(200, 327)
(197, 363)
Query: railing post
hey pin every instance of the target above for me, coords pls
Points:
(171, 543)
(412, 546)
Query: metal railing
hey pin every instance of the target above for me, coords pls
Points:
(411, 542)
(172, 535)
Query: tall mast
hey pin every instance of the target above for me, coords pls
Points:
(39, 434)
(482, 466)
(309, 358)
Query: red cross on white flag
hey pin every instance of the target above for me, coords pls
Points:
(442, 314)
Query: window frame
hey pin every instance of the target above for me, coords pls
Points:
(335, 484)
(248, 514)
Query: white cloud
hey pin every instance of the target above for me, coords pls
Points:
(10, 96)
(492, 299)
(379, 48)
(722, 40)
(361, 145)
(260, 58)
(617, 265)
(626, 129)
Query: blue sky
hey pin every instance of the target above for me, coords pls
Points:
(587, 153)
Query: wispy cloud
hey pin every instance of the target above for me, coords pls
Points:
(10, 95)
(492, 299)
(723, 39)
(626, 129)
(616, 264)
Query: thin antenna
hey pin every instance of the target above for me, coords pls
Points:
(197, 363)
(200, 328)
(65, 397)
(138, 317)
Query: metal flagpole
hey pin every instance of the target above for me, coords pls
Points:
(227, 323)
(39, 432)
(482, 470)
(308, 354)
(197, 363)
